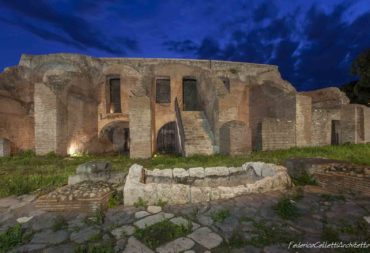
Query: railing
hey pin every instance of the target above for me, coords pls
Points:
(180, 128)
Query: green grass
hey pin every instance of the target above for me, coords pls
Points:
(161, 232)
(221, 215)
(140, 203)
(12, 237)
(25, 173)
(115, 199)
(287, 209)
(93, 248)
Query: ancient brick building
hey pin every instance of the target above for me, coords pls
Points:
(68, 104)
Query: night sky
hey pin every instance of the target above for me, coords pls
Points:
(313, 42)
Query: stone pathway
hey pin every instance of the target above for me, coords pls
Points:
(244, 224)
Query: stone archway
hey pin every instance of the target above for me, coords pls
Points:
(167, 139)
(118, 134)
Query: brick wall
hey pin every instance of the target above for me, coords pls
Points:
(349, 124)
(235, 138)
(278, 134)
(140, 127)
(268, 101)
(343, 182)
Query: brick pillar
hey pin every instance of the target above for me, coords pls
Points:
(303, 120)
(49, 121)
(140, 127)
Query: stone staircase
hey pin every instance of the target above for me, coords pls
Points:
(198, 134)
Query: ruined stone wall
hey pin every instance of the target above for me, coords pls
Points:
(367, 124)
(321, 125)
(82, 124)
(16, 124)
(278, 134)
(268, 101)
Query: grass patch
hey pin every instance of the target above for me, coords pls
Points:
(141, 203)
(304, 179)
(263, 235)
(221, 215)
(94, 248)
(161, 203)
(161, 232)
(115, 199)
(59, 223)
(26, 172)
(287, 209)
(13, 237)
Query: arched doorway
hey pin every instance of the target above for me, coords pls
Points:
(118, 134)
(167, 139)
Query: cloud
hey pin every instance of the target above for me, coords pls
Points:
(75, 30)
(266, 10)
(313, 49)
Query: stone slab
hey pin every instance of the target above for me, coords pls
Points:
(135, 246)
(178, 245)
(205, 237)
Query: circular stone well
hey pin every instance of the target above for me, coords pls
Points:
(181, 186)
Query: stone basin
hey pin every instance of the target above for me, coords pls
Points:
(181, 186)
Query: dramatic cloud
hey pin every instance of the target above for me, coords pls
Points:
(313, 42)
(73, 29)
(313, 50)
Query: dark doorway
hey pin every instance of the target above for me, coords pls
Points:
(190, 94)
(117, 134)
(335, 124)
(167, 141)
(115, 95)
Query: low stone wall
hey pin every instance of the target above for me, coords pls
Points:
(333, 175)
(180, 186)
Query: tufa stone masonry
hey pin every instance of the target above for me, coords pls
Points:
(69, 104)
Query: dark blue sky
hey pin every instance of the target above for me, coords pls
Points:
(313, 42)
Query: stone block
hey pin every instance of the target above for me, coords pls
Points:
(94, 167)
(181, 175)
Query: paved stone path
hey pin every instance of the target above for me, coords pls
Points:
(244, 224)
